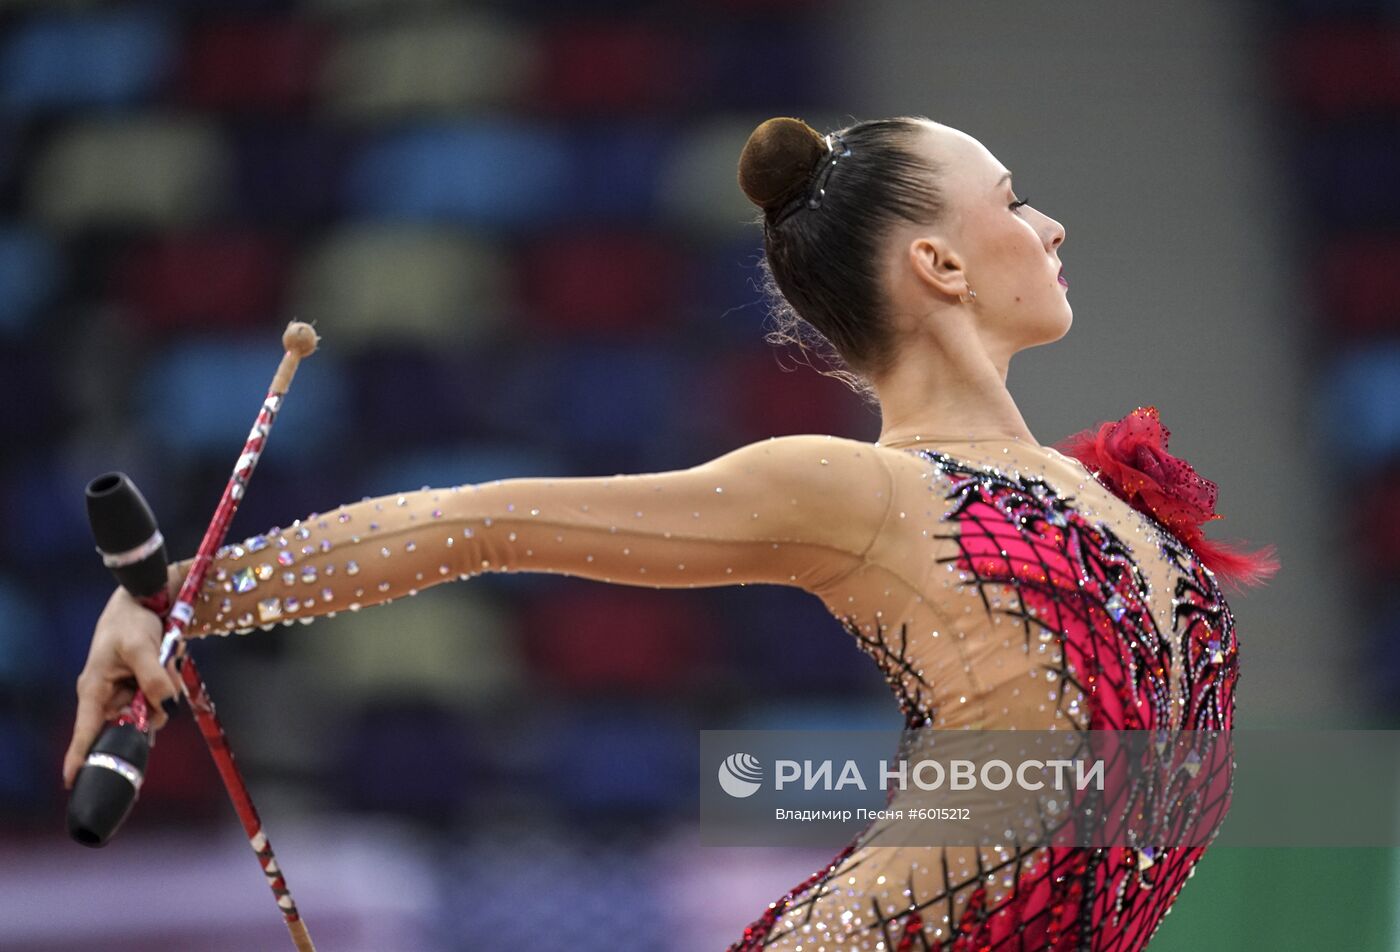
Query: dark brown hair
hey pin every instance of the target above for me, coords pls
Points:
(823, 225)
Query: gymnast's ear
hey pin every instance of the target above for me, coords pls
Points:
(937, 266)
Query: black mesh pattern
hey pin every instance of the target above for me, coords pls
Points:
(1077, 580)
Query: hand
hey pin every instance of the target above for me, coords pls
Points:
(125, 653)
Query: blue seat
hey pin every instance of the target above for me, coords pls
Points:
(25, 781)
(790, 644)
(420, 761)
(620, 758)
(43, 506)
(23, 636)
(615, 172)
(102, 59)
(724, 299)
(72, 613)
(202, 395)
(1360, 409)
(496, 174)
(614, 395)
(30, 268)
(746, 70)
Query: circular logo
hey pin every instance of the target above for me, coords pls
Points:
(740, 775)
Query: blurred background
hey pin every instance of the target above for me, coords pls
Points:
(516, 228)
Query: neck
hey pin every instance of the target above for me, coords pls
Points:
(957, 394)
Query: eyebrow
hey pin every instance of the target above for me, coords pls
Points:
(1002, 179)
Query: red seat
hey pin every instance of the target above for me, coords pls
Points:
(1376, 526)
(759, 398)
(221, 278)
(612, 68)
(1361, 284)
(263, 65)
(592, 638)
(1340, 70)
(601, 282)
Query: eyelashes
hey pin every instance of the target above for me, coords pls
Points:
(1020, 202)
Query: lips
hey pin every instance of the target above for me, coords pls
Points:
(1061, 278)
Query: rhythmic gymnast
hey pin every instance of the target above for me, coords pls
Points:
(997, 582)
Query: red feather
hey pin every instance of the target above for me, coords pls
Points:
(1130, 457)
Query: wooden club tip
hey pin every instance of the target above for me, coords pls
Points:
(300, 339)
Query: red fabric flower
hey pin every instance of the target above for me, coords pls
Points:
(1130, 457)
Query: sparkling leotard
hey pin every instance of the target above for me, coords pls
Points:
(996, 584)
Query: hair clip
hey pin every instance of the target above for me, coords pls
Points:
(836, 149)
(829, 163)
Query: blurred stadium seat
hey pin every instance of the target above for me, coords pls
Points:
(617, 67)
(253, 65)
(616, 758)
(31, 267)
(400, 284)
(595, 282)
(489, 174)
(144, 171)
(445, 63)
(109, 60)
(204, 279)
(201, 393)
(287, 175)
(606, 641)
(1360, 406)
(457, 647)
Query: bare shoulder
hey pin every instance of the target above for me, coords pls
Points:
(807, 456)
(811, 484)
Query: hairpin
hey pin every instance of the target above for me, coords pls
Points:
(833, 154)
(836, 149)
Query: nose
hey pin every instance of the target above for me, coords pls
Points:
(1057, 233)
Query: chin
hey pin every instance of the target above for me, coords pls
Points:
(1053, 330)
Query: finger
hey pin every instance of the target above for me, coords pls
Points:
(158, 714)
(86, 726)
(161, 714)
(153, 678)
(172, 705)
(120, 699)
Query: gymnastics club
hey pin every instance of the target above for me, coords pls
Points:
(132, 546)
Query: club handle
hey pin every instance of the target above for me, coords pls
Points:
(131, 546)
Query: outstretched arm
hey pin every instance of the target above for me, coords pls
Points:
(796, 510)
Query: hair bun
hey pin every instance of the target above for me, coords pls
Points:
(777, 161)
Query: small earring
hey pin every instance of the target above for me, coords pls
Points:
(970, 295)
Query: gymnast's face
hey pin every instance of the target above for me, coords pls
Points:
(1006, 252)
